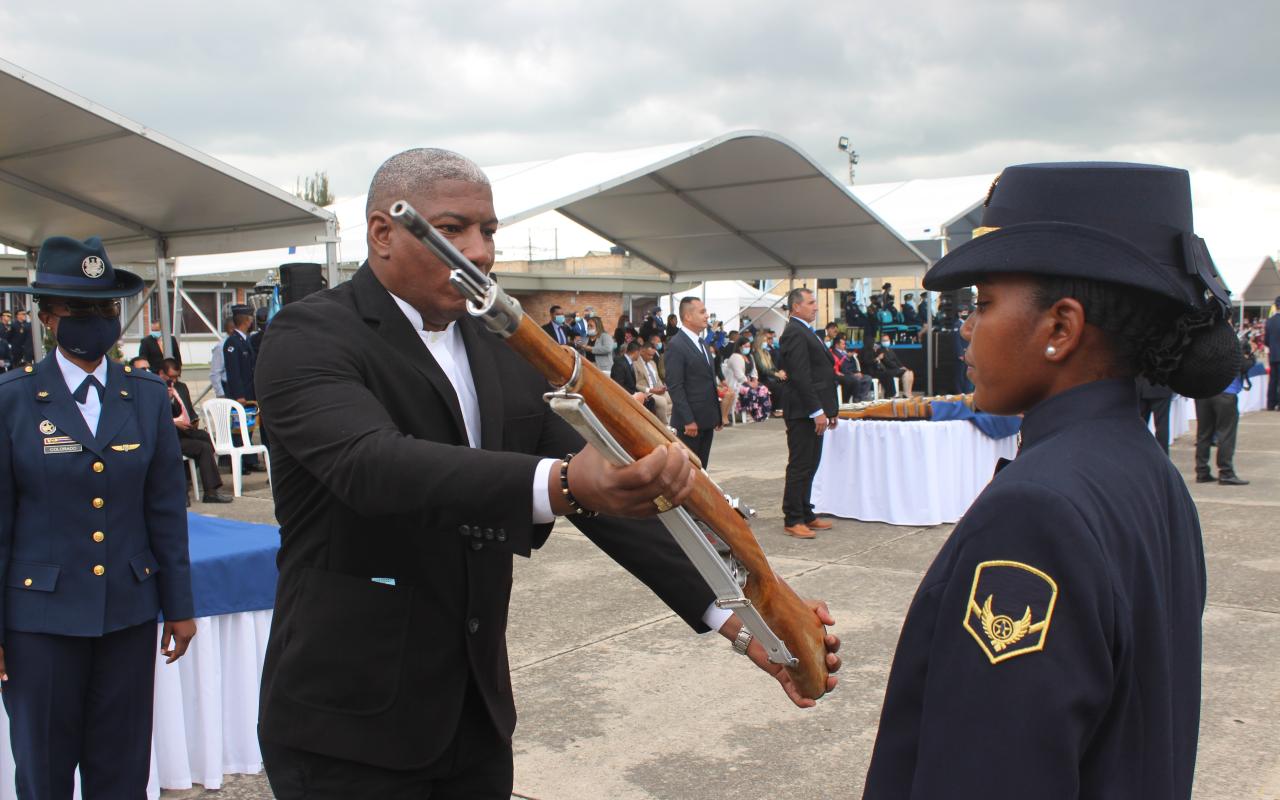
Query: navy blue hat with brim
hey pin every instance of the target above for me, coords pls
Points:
(68, 267)
(1128, 224)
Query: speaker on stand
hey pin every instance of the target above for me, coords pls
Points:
(299, 280)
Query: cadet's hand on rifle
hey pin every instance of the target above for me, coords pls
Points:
(756, 652)
(629, 491)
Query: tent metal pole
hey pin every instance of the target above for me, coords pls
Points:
(930, 337)
(33, 313)
(142, 302)
(177, 310)
(331, 252)
(162, 290)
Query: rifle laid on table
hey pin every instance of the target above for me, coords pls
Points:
(623, 430)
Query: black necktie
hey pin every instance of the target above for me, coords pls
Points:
(82, 394)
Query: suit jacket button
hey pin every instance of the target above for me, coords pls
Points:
(477, 545)
(98, 502)
(473, 624)
(98, 569)
(488, 534)
(27, 582)
(502, 534)
(465, 530)
(99, 536)
(98, 466)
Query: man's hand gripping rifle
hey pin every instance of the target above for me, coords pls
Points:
(622, 429)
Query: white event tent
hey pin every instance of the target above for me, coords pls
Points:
(69, 166)
(745, 205)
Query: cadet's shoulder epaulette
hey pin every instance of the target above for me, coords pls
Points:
(16, 374)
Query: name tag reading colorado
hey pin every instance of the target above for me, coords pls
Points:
(61, 444)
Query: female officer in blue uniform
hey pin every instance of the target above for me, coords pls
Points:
(93, 540)
(1053, 648)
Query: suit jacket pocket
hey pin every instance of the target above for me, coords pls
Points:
(346, 641)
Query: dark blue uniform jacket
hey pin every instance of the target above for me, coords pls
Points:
(1053, 647)
(93, 530)
(240, 360)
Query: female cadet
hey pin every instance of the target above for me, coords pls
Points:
(1053, 647)
(93, 540)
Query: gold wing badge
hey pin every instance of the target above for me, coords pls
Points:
(1009, 584)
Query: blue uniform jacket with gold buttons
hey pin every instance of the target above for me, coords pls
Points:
(93, 529)
(1053, 648)
(239, 359)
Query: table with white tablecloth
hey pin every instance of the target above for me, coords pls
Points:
(205, 721)
(905, 472)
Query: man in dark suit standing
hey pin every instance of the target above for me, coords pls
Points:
(691, 381)
(1272, 341)
(22, 349)
(556, 327)
(811, 410)
(152, 349)
(413, 457)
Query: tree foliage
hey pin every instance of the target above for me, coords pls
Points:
(315, 189)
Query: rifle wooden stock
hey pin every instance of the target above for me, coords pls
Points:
(902, 408)
(639, 433)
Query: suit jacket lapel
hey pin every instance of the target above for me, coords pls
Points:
(484, 374)
(117, 405)
(55, 403)
(376, 306)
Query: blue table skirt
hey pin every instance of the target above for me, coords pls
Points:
(233, 565)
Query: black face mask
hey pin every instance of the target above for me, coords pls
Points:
(88, 337)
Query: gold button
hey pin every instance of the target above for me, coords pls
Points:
(42, 394)
(27, 582)
(98, 466)
(98, 502)
(128, 369)
(146, 570)
(99, 536)
(123, 393)
(28, 369)
(98, 569)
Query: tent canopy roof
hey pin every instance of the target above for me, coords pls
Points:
(744, 205)
(920, 208)
(1264, 286)
(71, 167)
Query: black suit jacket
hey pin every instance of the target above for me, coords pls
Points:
(623, 373)
(811, 375)
(1271, 338)
(550, 328)
(373, 479)
(691, 382)
(149, 349)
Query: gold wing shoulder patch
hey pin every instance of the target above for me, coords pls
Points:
(1009, 610)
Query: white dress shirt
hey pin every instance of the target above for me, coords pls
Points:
(702, 348)
(73, 376)
(451, 354)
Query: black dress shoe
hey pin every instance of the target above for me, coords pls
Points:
(1205, 479)
(1232, 480)
(215, 497)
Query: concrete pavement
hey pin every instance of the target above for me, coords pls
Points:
(618, 699)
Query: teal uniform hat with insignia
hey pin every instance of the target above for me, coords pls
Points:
(68, 267)
(1113, 223)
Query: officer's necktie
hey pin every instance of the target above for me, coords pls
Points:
(82, 394)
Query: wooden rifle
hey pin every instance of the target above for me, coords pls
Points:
(623, 430)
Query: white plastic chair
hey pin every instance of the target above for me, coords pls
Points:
(217, 415)
(195, 477)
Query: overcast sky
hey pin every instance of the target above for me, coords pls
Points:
(281, 88)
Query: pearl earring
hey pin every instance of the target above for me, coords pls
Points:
(1051, 351)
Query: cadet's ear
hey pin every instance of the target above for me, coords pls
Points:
(379, 234)
(1067, 320)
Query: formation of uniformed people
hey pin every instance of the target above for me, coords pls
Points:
(93, 539)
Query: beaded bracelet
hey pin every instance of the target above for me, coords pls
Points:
(574, 506)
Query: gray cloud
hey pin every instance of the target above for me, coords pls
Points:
(924, 89)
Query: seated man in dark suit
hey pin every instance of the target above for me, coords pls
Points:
(194, 442)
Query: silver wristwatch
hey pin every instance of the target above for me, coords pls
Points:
(742, 641)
